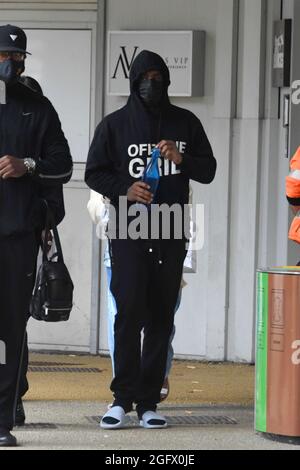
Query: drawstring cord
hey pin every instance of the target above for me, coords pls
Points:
(160, 260)
(159, 252)
(110, 251)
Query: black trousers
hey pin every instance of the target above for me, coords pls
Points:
(23, 385)
(145, 282)
(17, 266)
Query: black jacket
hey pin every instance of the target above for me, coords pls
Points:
(124, 139)
(30, 127)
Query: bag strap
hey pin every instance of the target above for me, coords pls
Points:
(51, 225)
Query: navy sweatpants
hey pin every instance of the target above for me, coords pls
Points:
(146, 279)
(17, 266)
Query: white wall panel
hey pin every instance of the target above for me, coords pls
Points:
(61, 62)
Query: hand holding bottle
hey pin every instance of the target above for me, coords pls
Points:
(139, 192)
(151, 174)
(144, 191)
(169, 151)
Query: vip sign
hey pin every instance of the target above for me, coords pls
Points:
(2, 353)
(182, 51)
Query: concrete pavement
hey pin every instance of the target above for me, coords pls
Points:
(73, 425)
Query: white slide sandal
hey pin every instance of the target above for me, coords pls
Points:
(115, 418)
(152, 420)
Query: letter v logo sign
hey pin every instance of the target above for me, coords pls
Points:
(124, 62)
(13, 37)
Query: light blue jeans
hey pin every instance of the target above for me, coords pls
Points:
(112, 311)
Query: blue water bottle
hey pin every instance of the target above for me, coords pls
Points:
(151, 175)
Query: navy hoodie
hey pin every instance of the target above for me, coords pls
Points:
(124, 139)
(30, 127)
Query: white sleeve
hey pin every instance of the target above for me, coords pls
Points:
(97, 208)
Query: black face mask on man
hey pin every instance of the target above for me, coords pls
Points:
(151, 91)
(10, 70)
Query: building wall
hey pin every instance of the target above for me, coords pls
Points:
(44, 5)
(76, 229)
(246, 210)
(245, 179)
(246, 216)
(259, 210)
(38, 3)
(294, 11)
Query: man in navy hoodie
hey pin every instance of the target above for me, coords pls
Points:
(146, 272)
(35, 161)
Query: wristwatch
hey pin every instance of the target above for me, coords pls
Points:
(30, 165)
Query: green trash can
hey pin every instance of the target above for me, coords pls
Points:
(277, 389)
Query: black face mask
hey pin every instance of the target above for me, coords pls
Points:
(9, 70)
(151, 91)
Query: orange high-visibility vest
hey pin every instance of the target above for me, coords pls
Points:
(293, 194)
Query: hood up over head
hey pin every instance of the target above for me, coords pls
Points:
(144, 62)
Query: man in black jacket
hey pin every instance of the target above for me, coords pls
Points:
(34, 158)
(146, 273)
(54, 197)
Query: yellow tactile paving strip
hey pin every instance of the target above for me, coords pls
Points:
(191, 382)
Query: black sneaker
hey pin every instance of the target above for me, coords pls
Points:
(20, 414)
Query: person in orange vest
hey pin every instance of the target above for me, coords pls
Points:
(293, 195)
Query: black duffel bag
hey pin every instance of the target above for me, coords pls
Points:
(52, 298)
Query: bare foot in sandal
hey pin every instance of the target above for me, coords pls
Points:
(164, 393)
